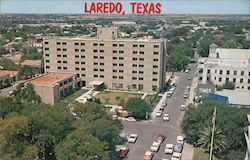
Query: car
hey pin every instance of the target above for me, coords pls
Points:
(121, 150)
(165, 117)
(169, 94)
(169, 148)
(178, 147)
(161, 109)
(180, 139)
(148, 155)
(176, 156)
(186, 95)
(160, 138)
(158, 114)
(183, 107)
(155, 146)
(186, 70)
(187, 88)
(189, 78)
(132, 138)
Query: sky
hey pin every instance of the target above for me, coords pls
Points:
(168, 6)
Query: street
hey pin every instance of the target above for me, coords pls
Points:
(148, 130)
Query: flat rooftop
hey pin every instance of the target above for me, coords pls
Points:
(50, 79)
(7, 72)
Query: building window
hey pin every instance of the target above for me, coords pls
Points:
(134, 59)
(47, 67)
(114, 77)
(101, 44)
(77, 69)
(134, 65)
(227, 79)
(95, 69)
(58, 49)
(156, 53)
(64, 55)
(114, 64)
(95, 50)
(134, 86)
(46, 55)
(76, 44)
(76, 62)
(141, 65)
(64, 49)
(46, 49)
(65, 67)
(120, 77)
(121, 45)
(64, 43)
(141, 52)
(235, 73)
(241, 80)
(140, 78)
(134, 71)
(76, 56)
(120, 64)
(114, 58)
(83, 69)
(95, 57)
(142, 45)
(121, 51)
(114, 45)
(208, 71)
(242, 73)
(121, 58)
(141, 72)
(82, 56)
(134, 78)
(120, 71)
(156, 46)
(220, 79)
(46, 42)
(155, 66)
(83, 75)
(82, 62)
(95, 44)
(141, 59)
(101, 64)
(114, 70)
(59, 67)
(234, 80)
(82, 50)
(101, 51)
(59, 55)
(95, 75)
(101, 76)
(114, 51)
(135, 45)
(135, 52)
(248, 81)
(248, 73)
(215, 71)
(155, 60)
(76, 50)
(228, 72)
(58, 43)
(82, 44)
(101, 57)
(155, 73)
(221, 72)
(59, 61)
(95, 63)
(154, 79)
(65, 62)
(101, 70)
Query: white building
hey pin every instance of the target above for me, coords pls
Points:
(223, 65)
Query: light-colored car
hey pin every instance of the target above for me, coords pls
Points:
(165, 117)
(176, 156)
(132, 138)
(158, 114)
(188, 87)
(178, 148)
(186, 70)
(189, 78)
(160, 138)
(183, 107)
(148, 155)
(180, 139)
(130, 119)
(155, 146)
(169, 148)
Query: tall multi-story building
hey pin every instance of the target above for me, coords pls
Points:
(226, 65)
(123, 64)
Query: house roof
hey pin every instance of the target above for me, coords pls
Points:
(8, 72)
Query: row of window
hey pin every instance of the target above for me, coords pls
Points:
(66, 81)
(228, 72)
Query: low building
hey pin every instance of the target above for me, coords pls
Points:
(52, 87)
(223, 65)
(8, 78)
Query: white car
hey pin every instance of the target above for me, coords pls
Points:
(180, 140)
(169, 148)
(176, 156)
(165, 117)
(186, 70)
(132, 138)
(130, 119)
(158, 114)
(155, 146)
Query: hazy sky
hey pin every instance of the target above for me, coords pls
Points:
(168, 6)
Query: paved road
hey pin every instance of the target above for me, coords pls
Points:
(148, 130)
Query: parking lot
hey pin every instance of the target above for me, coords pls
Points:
(148, 130)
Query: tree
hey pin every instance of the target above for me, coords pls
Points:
(229, 85)
(8, 64)
(26, 72)
(8, 105)
(137, 108)
(26, 93)
(219, 143)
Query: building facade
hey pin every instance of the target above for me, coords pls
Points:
(223, 65)
(52, 87)
(122, 64)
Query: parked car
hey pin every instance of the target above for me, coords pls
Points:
(178, 148)
(176, 156)
(158, 114)
(186, 70)
(160, 138)
(121, 150)
(169, 148)
(132, 138)
(148, 155)
(183, 107)
(180, 139)
(189, 78)
(161, 109)
(130, 119)
(165, 117)
(155, 146)
(169, 94)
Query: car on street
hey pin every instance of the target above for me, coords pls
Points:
(186, 70)
(165, 117)
(169, 148)
(161, 108)
(189, 78)
(183, 107)
(186, 94)
(176, 156)
(148, 155)
(160, 138)
(155, 146)
(121, 150)
(158, 113)
(178, 148)
(180, 139)
(188, 87)
(169, 94)
(130, 119)
(132, 138)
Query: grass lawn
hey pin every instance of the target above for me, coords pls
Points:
(109, 97)
(74, 95)
(149, 99)
(200, 154)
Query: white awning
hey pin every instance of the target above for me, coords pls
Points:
(96, 83)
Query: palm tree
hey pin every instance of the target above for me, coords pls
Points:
(219, 143)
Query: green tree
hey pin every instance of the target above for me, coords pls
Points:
(229, 85)
(7, 64)
(137, 108)
(26, 72)
(8, 105)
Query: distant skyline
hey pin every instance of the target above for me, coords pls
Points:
(168, 6)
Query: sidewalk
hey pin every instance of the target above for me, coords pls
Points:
(188, 151)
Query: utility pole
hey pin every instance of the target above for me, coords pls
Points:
(212, 139)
